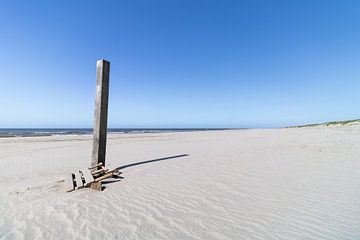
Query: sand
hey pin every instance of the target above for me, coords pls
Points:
(238, 184)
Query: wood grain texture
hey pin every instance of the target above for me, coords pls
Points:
(87, 176)
(101, 112)
(69, 182)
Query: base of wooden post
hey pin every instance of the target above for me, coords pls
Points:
(86, 178)
(96, 186)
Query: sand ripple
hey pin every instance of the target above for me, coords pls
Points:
(252, 184)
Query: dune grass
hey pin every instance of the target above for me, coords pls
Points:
(333, 123)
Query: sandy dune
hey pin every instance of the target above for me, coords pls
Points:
(241, 184)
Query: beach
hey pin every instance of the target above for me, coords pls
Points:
(289, 183)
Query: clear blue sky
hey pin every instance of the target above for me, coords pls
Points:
(180, 63)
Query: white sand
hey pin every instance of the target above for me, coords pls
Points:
(244, 184)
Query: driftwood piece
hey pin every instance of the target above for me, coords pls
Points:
(69, 182)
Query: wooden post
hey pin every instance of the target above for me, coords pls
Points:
(101, 112)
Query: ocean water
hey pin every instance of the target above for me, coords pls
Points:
(38, 132)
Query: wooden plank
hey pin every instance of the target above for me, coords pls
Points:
(101, 112)
(95, 166)
(87, 176)
(69, 182)
(107, 175)
(102, 170)
(79, 183)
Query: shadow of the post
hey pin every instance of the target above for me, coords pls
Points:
(119, 178)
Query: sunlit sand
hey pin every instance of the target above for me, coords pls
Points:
(238, 184)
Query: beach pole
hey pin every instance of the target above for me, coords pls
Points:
(101, 112)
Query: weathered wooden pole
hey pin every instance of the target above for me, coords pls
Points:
(101, 112)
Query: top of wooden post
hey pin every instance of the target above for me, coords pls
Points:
(102, 60)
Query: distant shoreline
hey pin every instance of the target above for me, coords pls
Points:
(42, 132)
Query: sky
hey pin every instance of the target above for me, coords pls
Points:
(180, 63)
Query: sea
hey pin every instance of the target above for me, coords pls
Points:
(38, 132)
